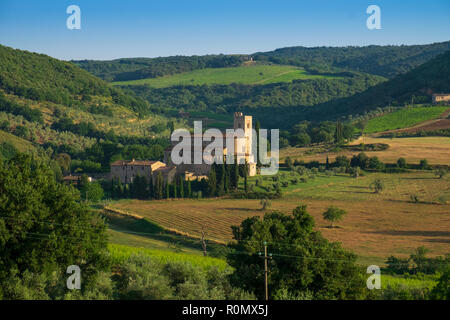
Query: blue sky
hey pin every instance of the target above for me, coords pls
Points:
(148, 28)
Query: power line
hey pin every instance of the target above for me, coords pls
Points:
(263, 243)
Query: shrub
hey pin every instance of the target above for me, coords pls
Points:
(440, 172)
(377, 185)
(424, 164)
(401, 163)
(266, 203)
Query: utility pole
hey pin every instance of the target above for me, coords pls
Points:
(266, 270)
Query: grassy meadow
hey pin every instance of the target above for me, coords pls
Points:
(403, 118)
(250, 74)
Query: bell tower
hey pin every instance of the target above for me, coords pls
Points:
(243, 148)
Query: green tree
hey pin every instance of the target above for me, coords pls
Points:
(423, 164)
(442, 290)
(158, 187)
(92, 191)
(333, 214)
(338, 134)
(44, 226)
(288, 162)
(174, 187)
(246, 177)
(181, 187)
(257, 129)
(189, 189)
(63, 159)
(303, 260)
(401, 163)
(234, 175)
(212, 182)
(167, 190)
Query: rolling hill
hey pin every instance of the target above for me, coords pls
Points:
(48, 103)
(41, 78)
(250, 74)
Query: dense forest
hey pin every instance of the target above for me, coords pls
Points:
(228, 98)
(386, 61)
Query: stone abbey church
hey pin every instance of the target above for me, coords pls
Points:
(126, 170)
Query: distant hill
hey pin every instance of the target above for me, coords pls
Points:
(386, 61)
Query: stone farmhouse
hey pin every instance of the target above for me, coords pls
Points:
(242, 149)
(127, 170)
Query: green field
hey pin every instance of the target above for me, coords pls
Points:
(120, 253)
(254, 74)
(403, 118)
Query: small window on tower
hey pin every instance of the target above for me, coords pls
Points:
(248, 125)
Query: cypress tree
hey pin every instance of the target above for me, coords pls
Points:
(167, 194)
(189, 191)
(339, 132)
(212, 182)
(257, 128)
(181, 193)
(226, 178)
(150, 189)
(174, 186)
(245, 176)
(159, 186)
(235, 175)
(220, 176)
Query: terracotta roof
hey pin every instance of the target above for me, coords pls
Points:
(133, 163)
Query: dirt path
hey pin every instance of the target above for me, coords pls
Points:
(275, 76)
